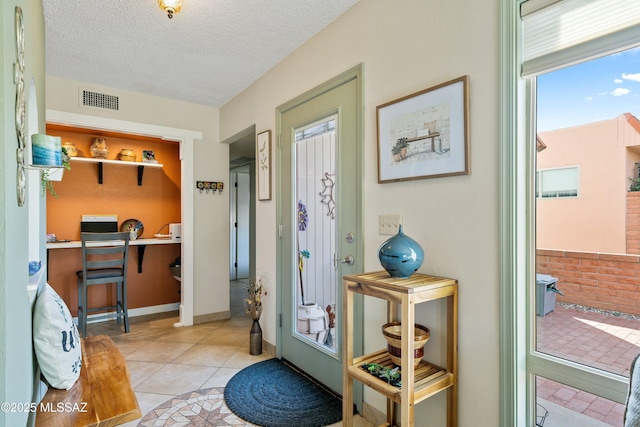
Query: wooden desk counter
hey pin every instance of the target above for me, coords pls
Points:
(141, 243)
(137, 242)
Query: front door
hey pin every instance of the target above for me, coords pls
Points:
(319, 210)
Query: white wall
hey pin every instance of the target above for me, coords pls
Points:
(16, 349)
(406, 47)
(211, 162)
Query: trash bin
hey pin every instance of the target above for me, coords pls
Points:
(546, 290)
(175, 267)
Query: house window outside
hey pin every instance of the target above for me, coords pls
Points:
(555, 183)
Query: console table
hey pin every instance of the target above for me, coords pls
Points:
(426, 379)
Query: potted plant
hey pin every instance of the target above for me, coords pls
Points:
(47, 176)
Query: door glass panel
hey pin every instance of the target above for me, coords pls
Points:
(315, 257)
(587, 296)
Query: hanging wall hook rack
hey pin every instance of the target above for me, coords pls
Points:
(208, 186)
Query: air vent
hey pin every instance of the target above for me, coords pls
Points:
(99, 100)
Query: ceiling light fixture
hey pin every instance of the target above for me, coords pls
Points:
(170, 6)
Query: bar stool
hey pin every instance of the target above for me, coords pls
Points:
(104, 260)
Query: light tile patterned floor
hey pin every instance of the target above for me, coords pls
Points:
(166, 364)
(595, 339)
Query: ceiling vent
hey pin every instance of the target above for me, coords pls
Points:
(89, 98)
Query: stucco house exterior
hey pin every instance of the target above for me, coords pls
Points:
(583, 207)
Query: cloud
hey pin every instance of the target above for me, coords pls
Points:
(635, 77)
(602, 93)
(589, 98)
(620, 91)
(618, 81)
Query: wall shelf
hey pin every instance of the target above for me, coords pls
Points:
(101, 162)
(426, 379)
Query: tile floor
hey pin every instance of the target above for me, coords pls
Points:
(165, 361)
(594, 339)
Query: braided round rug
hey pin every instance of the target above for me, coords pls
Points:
(271, 394)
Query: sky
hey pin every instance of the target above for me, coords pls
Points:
(597, 90)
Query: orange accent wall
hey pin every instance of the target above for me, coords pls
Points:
(155, 203)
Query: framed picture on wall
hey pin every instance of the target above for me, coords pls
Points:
(263, 150)
(425, 134)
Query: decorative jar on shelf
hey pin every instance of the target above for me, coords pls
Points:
(99, 148)
(127, 155)
(401, 256)
(393, 334)
(70, 148)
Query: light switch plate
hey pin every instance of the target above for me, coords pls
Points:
(388, 224)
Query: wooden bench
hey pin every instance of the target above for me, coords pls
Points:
(102, 396)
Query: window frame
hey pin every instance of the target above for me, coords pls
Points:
(520, 363)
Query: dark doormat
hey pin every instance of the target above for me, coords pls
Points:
(272, 394)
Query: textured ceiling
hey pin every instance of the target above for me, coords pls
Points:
(206, 54)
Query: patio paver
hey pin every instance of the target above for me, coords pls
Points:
(591, 338)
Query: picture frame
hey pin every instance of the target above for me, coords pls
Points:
(425, 134)
(263, 152)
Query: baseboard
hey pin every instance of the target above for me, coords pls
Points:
(211, 317)
(269, 348)
(132, 312)
(373, 415)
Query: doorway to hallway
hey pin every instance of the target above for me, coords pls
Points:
(242, 207)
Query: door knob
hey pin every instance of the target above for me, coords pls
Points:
(347, 260)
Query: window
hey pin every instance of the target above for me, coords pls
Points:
(537, 42)
(561, 182)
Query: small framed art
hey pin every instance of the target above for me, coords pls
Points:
(263, 151)
(425, 134)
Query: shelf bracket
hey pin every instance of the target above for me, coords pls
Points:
(141, 249)
(140, 172)
(100, 171)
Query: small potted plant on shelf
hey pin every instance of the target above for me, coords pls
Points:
(390, 375)
(47, 175)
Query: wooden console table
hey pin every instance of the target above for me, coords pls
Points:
(417, 384)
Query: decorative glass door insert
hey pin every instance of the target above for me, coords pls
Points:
(316, 231)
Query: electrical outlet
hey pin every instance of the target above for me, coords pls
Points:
(388, 224)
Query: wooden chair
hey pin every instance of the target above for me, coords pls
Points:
(104, 260)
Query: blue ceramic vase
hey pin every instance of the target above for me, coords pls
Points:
(401, 256)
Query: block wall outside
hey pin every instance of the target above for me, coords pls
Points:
(598, 280)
